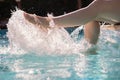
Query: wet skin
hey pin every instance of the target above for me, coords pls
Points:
(99, 10)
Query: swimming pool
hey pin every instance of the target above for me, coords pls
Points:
(30, 63)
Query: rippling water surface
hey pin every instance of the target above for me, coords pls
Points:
(27, 54)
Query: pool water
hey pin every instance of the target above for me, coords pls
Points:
(60, 57)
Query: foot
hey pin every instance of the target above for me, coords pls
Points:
(37, 20)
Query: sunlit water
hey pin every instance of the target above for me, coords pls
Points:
(28, 53)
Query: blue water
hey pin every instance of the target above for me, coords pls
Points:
(104, 65)
(28, 53)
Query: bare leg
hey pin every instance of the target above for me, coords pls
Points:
(75, 18)
(101, 10)
(91, 31)
(78, 17)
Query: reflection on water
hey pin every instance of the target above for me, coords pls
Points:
(30, 55)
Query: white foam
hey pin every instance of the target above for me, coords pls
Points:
(29, 37)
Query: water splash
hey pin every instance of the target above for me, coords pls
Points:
(29, 37)
(25, 37)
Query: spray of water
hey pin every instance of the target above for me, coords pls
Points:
(30, 37)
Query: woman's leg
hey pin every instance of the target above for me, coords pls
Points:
(91, 31)
(75, 18)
